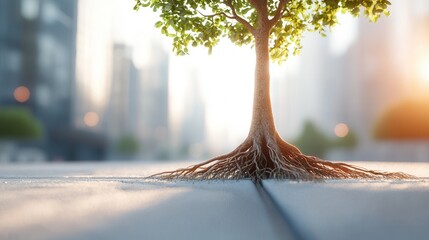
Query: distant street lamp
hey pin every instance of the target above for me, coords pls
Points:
(21, 94)
(341, 130)
(91, 119)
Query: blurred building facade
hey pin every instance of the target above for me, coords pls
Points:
(377, 71)
(11, 52)
(153, 113)
(129, 100)
(123, 99)
(37, 53)
(384, 69)
(187, 115)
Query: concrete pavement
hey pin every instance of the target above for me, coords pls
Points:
(113, 201)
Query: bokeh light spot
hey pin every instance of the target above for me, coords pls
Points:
(341, 130)
(21, 94)
(91, 119)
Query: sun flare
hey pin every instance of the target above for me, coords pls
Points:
(423, 71)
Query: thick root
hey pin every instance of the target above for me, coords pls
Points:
(272, 158)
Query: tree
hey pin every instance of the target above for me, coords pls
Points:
(128, 145)
(18, 124)
(275, 29)
(313, 141)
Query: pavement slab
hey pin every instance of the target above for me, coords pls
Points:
(358, 209)
(114, 201)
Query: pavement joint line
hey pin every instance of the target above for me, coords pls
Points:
(283, 222)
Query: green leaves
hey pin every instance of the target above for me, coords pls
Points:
(316, 16)
(199, 23)
(158, 24)
(141, 3)
(19, 124)
(203, 22)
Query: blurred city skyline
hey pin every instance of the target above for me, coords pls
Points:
(119, 79)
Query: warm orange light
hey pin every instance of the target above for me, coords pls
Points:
(406, 120)
(21, 94)
(423, 70)
(341, 130)
(91, 119)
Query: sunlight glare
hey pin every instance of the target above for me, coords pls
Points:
(228, 89)
(424, 71)
(344, 34)
(220, 85)
(93, 54)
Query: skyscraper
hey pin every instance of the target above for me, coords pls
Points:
(37, 70)
(153, 110)
(124, 90)
(11, 51)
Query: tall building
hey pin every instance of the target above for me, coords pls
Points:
(37, 54)
(187, 115)
(310, 88)
(93, 63)
(37, 71)
(121, 77)
(11, 51)
(121, 114)
(153, 109)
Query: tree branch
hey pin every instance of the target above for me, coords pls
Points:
(238, 18)
(281, 9)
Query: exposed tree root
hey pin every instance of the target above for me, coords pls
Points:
(265, 157)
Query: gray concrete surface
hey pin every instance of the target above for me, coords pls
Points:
(355, 209)
(112, 201)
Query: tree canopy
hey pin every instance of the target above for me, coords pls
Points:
(128, 145)
(18, 124)
(204, 22)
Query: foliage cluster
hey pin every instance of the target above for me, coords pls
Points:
(18, 124)
(128, 145)
(314, 142)
(204, 22)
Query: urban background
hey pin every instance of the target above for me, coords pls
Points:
(94, 80)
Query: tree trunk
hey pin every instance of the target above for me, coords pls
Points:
(262, 117)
